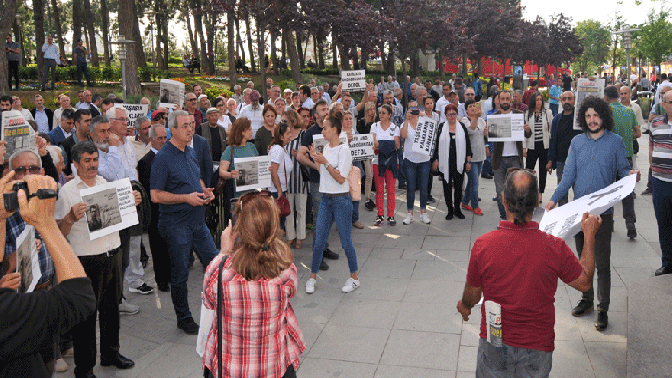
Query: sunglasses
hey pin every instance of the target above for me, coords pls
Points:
(33, 170)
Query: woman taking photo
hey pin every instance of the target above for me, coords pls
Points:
(239, 147)
(281, 163)
(386, 141)
(264, 137)
(297, 193)
(364, 127)
(334, 164)
(416, 165)
(452, 158)
(539, 119)
(261, 334)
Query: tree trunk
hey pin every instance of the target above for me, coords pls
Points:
(294, 63)
(239, 40)
(345, 59)
(192, 41)
(88, 23)
(105, 16)
(7, 18)
(126, 29)
(334, 55)
(76, 25)
(262, 63)
(441, 68)
(320, 53)
(274, 53)
(38, 16)
(206, 62)
(363, 59)
(166, 44)
(210, 38)
(249, 43)
(231, 46)
(283, 47)
(139, 45)
(299, 48)
(59, 30)
(159, 37)
(18, 37)
(383, 58)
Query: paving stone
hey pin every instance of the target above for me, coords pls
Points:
(319, 367)
(429, 350)
(355, 344)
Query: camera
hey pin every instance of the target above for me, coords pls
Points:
(415, 112)
(11, 199)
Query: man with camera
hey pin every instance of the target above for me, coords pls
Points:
(101, 259)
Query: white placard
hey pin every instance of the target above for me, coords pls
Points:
(361, 147)
(566, 220)
(506, 127)
(586, 88)
(133, 111)
(110, 207)
(319, 142)
(253, 173)
(171, 92)
(17, 132)
(353, 81)
(27, 260)
(425, 136)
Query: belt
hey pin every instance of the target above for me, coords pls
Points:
(113, 252)
(43, 286)
(49, 59)
(336, 195)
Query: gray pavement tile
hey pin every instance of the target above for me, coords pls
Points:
(311, 331)
(354, 344)
(608, 359)
(388, 371)
(433, 291)
(418, 254)
(386, 253)
(440, 270)
(566, 327)
(452, 255)
(385, 289)
(387, 268)
(471, 332)
(616, 332)
(422, 349)
(319, 367)
(364, 312)
(428, 317)
(570, 359)
(392, 239)
(459, 243)
(467, 358)
(314, 308)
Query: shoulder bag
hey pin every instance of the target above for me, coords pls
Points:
(283, 202)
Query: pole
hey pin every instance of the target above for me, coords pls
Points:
(153, 56)
(627, 52)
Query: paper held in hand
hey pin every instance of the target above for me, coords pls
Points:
(425, 136)
(361, 147)
(319, 142)
(27, 260)
(133, 111)
(17, 132)
(253, 173)
(110, 207)
(171, 92)
(566, 220)
(353, 81)
(586, 88)
(506, 127)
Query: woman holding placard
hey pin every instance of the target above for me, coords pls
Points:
(364, 127)
(239, 147)
(416, 165)
(386, 142)
(349, 131)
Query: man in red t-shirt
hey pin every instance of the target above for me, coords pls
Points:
(517, 266)
(534, 86)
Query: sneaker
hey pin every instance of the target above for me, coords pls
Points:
(329, 254)
(582, 307)
(142, 289)
(391, 221)
(126, 308)
(467, 207)
(350, 285)
(379, 220)
(646, 191)
(478, 211)
(408, 219)
(310, 285)
(369, 205)
(323, 265)
(431, 199)
(358, 225)
(602, 320)
(61, 365)
(189, 326)
(632, 230)
(425, 218)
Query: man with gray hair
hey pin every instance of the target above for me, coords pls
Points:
(237, 94)
(141, 141)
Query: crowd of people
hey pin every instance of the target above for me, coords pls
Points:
(182, 164)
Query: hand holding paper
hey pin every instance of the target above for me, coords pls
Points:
(636, 172)
(10, 281)
(590, 223)
(78, 210)
(138, 197)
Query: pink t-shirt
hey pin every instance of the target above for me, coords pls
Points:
(518, 267)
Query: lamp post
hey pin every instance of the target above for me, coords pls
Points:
(627, 44)
(121, 52)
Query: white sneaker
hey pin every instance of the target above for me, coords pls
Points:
(350, 285)
(310, 285)
(126, 308)
(425, 218)
(408, 219)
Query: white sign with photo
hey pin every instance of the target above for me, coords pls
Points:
(586, 88)
(506, 127)
(253, 173)
(110, 207)
(17, 132)
(171, 92)
(361, 147)
(425, 136)
(133, 111)
(27, 260)
(566, 220)
(319, 142)
(353, 81)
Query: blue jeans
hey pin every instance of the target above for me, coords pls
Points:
(332, 209)
(355, 211)
(487, 164)
(471, 192)
(508, 361)
(662, 206)
(181, 240)
(401, 176)
(554, 109)
(559, 170)
(417, 174)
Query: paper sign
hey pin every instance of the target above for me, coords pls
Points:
(110, 207)
(319, 142)
(353, 81)
(361, 147)
(506, 127)
(253, 173)
(586, 88)
(133, 111)
(27, 260)
(425, 136)
(17, 133)
(171, 92)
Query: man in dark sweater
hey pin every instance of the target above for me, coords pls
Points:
(562, 133)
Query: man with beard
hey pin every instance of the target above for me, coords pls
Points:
(562, 133)
(82, 124)
(596, 160)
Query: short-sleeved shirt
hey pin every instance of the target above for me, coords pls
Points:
(389, 134)
(476, 138)
(518, 267)
(555, 91)
(624, 122)
(15, 225)
(281, 157)
(307, 141)
(177, 172)
(81, 55)
(660, 142)
(10, 55)
(412, 156)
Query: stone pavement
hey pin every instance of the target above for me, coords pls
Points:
(403, 320)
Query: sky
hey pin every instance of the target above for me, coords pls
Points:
(602, 10)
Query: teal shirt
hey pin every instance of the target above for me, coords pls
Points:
(246, 151)
(555, 91)
(624, 122)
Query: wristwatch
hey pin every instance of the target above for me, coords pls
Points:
(326, 166)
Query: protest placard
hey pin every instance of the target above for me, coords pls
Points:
(566, 220)
(425, 136)
(110, 207)
(17, 132)
(506, 127)
(27, 261)
(253, 173)
(361, 147)
(586, 88)
(319, 142)
(133, 111)
(353, 81)
(171, 92)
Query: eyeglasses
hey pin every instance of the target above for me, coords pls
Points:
(33, 170)
(123, 120)
(470, 95)
(451, 115)
(530, 171)
(191, 99)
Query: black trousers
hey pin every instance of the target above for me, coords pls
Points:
(541, 154)
(160, 257)
(602, 262)
(290, 373)
(452, 189)
(13, 71)
(102, 271)
(125, 237)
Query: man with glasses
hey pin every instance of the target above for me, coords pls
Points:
(177, 187)
(12, 50)
(562, 133)
(191, 106)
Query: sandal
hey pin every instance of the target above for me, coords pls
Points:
(291, 243)
(299, 243)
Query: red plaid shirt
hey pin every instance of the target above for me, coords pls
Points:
(261, 333)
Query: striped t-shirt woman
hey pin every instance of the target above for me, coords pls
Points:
(296, 183)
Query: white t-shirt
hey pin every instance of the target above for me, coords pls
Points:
(413, 157)
(225, 122)
(389, 134)
(255, 116)
(277, 155)
(340, 158)
(510, 149)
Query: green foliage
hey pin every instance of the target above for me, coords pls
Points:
(655, 38)
(595, 38)
(288, 83)
(213, 91)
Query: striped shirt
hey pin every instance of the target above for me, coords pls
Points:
(538, 127)
(660, 142)
(296, 183)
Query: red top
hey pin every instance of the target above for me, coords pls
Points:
(518, 267)
(261, 335)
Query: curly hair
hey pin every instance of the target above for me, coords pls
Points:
(600, 107)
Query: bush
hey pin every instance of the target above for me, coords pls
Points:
(288, 83)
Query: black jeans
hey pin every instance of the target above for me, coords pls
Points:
(541, 154)
(13, 71)
(452, 188)
(602, 262)
(82, 67)
(159, 251)
(290, 373)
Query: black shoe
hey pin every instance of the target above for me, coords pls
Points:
(86, 375)
(582, 307)
(632, 230)
(369, 205)
(459, 215)
(142, 289)
(431, 199)
(391, 221)
(329, 254)
(121, 362)
(449, 216)
(163, 286)
(646, 192)
(403, 186)
(324, 266)
(189, 326)
(489, 177)
(663, 270)
(602, 320)
(379, 220)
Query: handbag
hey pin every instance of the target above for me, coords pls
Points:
(355, 183)
(207, 317)
(283, 202)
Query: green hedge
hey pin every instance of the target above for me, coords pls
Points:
(65, 74)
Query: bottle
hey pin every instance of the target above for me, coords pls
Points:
(493, 315)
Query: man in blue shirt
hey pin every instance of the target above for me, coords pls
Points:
(596, 160)
(554, 96)
(79, 57)
(50, 51)
(177, 187)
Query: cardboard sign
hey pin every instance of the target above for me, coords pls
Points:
(354, 81)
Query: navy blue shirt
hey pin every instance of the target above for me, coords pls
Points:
(177, 172)
(307, 141)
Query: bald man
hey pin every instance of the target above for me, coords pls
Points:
(562, 132)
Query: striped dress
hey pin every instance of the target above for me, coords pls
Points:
(296, 183)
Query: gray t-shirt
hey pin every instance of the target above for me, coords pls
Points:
(10, 55)
(81, 55)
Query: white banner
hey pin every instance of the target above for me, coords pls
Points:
(17, 132)
(586, 88)
(361, 147)
(353, 81)
(253, 173)
(566, 220)
(425, 136)
(133, 111)
(27, 260)
(171, 92)
(506, 127)
(110, 207)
